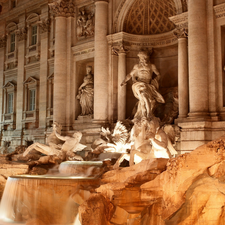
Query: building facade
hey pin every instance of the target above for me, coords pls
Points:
(46, 46)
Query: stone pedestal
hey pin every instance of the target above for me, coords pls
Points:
(198, 133)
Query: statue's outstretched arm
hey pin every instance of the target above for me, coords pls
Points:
(59, 136)
(128, 77)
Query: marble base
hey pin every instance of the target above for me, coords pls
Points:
(194, 134)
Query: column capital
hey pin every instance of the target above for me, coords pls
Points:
(118, 50)
(64, 8)
(21, 33)
(181, 33)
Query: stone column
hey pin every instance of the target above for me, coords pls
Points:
(21, 37)
(182, 73)
(121, 90)
(101, 62)
(198, 59)
(61, 10)
(44, 30)
(2, 59)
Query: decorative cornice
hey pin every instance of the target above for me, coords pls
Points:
(219, 10)
(64, 8)
(44, 25)
(140, 41)
(180, 20)
(2, 41)
(181, 33)
(82, 49)
(21, 33)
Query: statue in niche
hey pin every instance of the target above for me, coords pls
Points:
(145, 87)
(85, 24)
(86, 93)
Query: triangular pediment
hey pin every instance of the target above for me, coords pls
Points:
(30, 80)
(9, 84)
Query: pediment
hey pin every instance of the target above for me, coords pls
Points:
(11, 27)
(32, 18)
(9, 84)
(30, 80)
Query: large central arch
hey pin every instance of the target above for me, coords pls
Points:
(125, 6)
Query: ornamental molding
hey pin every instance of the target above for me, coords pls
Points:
(64, 8)
(219, 10)
(44, 25)
(21, 33)
(83, 49)
(180, 20)
(11, 27)
(3, 41)
(181, 33)
(32, 18)
(142, 41)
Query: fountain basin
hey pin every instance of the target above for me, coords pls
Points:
(33, 199)
(81, 168)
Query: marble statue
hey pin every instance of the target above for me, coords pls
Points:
(148, 140)
(86, 93)
(113, 141)
(69, 146)
(52, 146)
(144, 87)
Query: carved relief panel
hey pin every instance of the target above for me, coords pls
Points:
(85, 22)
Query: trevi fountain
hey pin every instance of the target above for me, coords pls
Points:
(132, 174)
(112, 112)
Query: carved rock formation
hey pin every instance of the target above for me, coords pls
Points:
(190, 189)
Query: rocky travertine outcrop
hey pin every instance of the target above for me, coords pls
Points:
(96, 210)
(190, 190)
